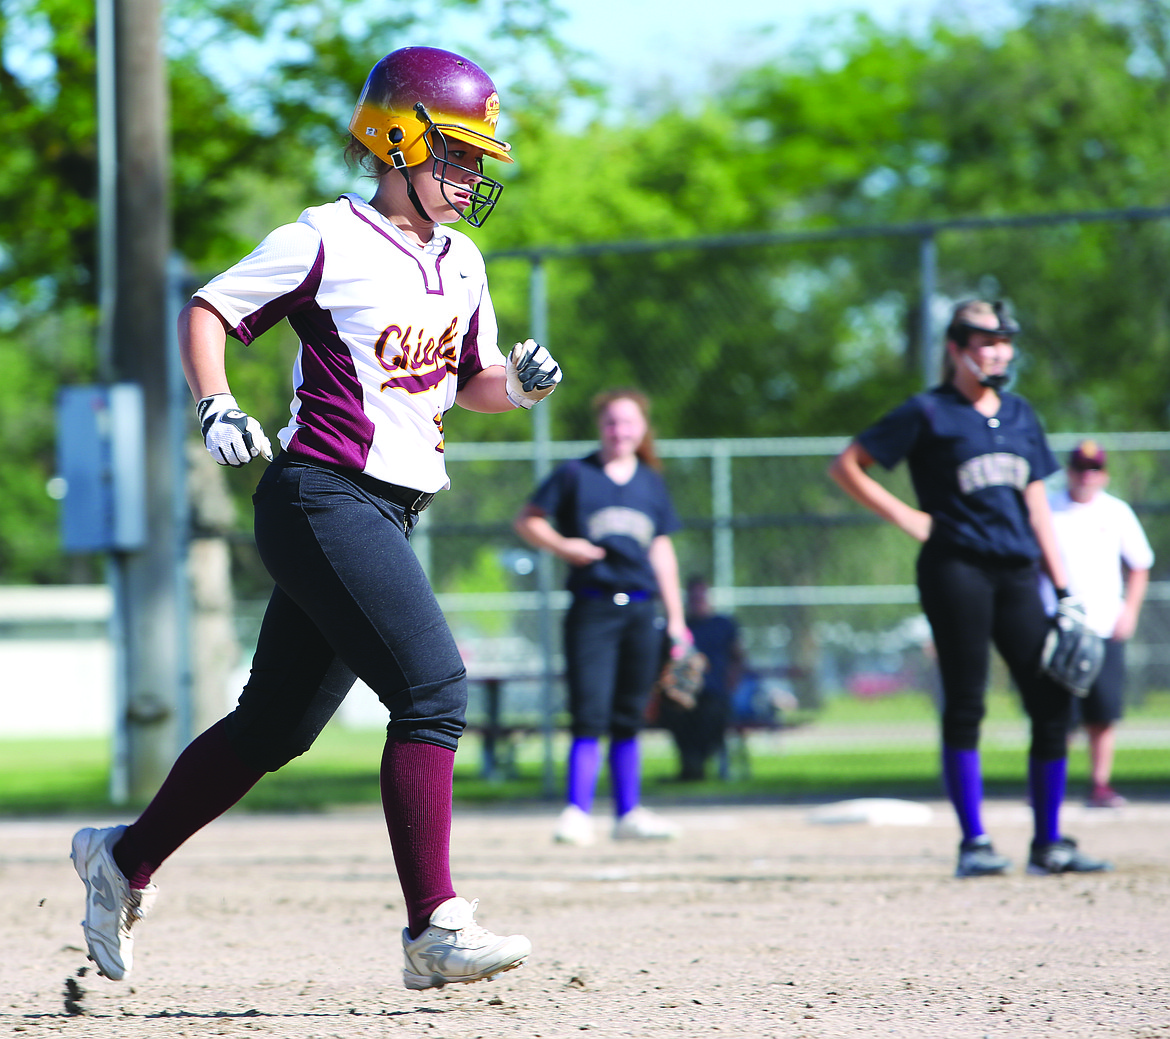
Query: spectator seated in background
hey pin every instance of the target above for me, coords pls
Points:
(698, 728)
(759, 702)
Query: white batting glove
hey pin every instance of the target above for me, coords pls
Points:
(532, 374)
(232, 437)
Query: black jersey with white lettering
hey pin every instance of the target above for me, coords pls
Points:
(969, 470)
(582, 502)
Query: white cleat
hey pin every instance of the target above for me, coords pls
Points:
(455, 950)
(112, 907)
(574, 827)
(641, 824)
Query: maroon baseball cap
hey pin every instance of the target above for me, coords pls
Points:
(1088, 454)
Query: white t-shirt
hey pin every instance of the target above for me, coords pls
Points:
(1095, 538)
(389, 332)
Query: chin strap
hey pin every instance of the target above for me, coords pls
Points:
(992, 382)
(413, 196)
(398, 161)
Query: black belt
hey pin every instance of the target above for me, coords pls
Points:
(409, 498)
(618, 598)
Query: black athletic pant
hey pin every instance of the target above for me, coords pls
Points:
(973, 602)
(351, 600)
(612, 657)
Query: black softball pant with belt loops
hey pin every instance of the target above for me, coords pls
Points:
(613, 654)
(351, 600)
(971, 603)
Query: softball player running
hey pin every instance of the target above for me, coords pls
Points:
(978, 458)
(610, 517)
(396, 326)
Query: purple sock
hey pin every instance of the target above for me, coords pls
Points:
(625, 773)
(584, 764)
(963, 779)
(206, 780)
(1046, 782)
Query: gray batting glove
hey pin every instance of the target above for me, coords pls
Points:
(532, 374)
(232, 437)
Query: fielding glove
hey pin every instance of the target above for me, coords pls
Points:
(1073, 653)
(681, 680)
(232, 437)
(532, 374)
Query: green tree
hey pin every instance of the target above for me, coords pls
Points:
(820, 338)
(1066, 112)
(260, 96)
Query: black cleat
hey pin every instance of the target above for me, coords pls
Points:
(977, 858)
(1062, 856)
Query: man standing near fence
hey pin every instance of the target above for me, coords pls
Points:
(1098, 534)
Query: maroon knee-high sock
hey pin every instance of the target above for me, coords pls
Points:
(206, 780)
(416, 797)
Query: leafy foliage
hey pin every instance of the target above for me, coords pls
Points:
(1065, 111)
(259, 94)
(1057, 115)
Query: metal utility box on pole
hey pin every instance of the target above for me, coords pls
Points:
(100, 433)
(135, 235)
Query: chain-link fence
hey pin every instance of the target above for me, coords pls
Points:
(816, 333)
(776, 348)
(821, 589)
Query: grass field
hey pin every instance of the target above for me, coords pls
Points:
(853, 748)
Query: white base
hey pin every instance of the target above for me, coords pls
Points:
(876, 811)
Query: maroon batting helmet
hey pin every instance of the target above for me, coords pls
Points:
(417, 99)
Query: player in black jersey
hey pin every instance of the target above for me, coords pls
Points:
(610, 517)
(978, 458)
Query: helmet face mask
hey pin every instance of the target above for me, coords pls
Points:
(961, 328)
(992, 380)
(483, 191)
(415, 102)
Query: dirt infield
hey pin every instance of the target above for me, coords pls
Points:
(755, 923)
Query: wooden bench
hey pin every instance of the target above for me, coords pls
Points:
(499, 735)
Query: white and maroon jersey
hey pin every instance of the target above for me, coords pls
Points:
(389, 332)
(1095, 538)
